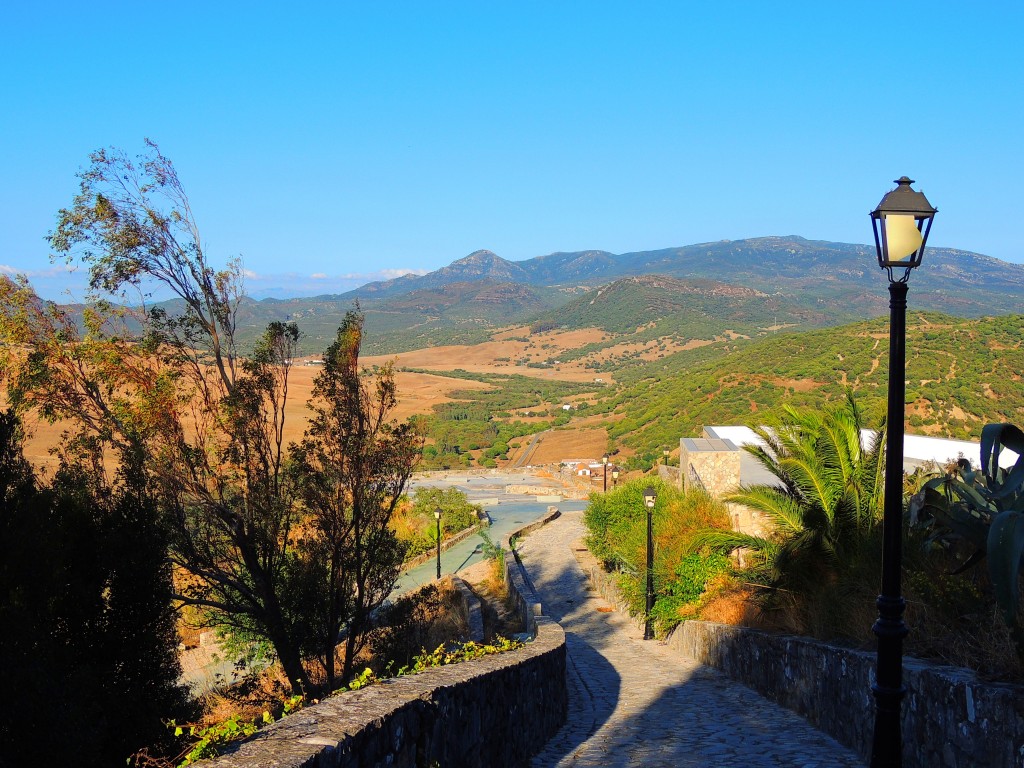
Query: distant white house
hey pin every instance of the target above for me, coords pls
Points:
(916, 448)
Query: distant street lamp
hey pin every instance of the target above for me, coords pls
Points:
(901, 223)
(437, 517)
(615, 478)
(665, 452)
(649, 498)
(604, 460)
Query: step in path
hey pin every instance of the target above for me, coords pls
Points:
(636, 703)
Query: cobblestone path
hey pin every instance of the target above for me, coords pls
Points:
(634, 703)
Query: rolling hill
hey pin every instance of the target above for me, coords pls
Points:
(961, 374)
(798, 282)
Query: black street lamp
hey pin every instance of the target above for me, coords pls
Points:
(615, 478)
(437, 517)
(665, 452)
(649, 498)
(604, 460)
(901, 222)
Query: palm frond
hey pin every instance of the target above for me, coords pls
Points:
(782, 509)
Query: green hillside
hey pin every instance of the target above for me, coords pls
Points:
(453, 313)
(693, 292)
(638, 310)
(961, 374)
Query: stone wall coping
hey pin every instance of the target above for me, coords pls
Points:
(322, 734)
(474, 613)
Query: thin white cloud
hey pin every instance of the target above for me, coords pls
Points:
(318, 276)
(55, 271)
(383, 274)
(250, 275)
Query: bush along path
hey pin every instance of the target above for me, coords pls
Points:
(633, 702)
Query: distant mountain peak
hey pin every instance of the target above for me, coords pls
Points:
(482, 254)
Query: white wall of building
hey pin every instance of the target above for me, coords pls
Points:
(915, 447)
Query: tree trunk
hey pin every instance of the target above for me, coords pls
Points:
(291, 663)
(354, 628)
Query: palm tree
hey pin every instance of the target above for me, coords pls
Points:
(824, 504)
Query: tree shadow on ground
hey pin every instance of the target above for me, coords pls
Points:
(694, 716)
(593, 682)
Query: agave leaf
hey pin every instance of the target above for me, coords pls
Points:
(915, 507)
(1005, 553)
(971, 561)
(990, 447)
(969, 494)
(994, 437)
(957, 517)
(1013, 482)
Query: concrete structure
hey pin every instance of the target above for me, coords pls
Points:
(709, 463)
(718, 466)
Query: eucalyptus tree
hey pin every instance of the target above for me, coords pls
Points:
(169, 388)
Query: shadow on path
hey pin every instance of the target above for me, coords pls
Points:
(634, 703)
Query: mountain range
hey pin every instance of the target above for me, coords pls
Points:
(799, 282)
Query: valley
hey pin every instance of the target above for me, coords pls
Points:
(602, 357)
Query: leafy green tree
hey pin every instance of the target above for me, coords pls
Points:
(457, 513)
(88, 652)
(352, 468)
(825, 503)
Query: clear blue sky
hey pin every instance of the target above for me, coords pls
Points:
(352, 139)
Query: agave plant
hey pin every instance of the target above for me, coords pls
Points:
(985, 509)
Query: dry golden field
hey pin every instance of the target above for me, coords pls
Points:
(419, 392)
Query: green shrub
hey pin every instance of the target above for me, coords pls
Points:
(617, 525)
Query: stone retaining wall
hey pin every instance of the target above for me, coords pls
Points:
(951, 719)
(493, 712)
(471, 610)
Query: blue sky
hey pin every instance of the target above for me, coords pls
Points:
(328, 144)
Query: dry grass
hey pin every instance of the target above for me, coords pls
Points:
(418, 392)
(727, 602)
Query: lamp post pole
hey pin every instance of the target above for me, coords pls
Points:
(889, 627)
(665, 452)
(615, 478)
(901, 222)
(604, 461)
(649, 499)
(437, 517)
